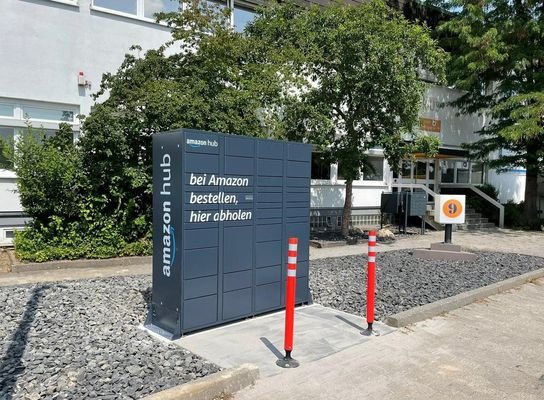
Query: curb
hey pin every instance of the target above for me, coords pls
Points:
(68, 264)
(436, 308)
(225, 382)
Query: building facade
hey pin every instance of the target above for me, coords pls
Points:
(53, 62)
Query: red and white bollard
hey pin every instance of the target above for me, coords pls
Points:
(290, 295)
(371, 283)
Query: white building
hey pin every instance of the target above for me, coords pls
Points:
(54, 53)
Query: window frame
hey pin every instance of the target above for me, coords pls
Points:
(74, 3)
(140, 11)
(27, 116)
(377, 157)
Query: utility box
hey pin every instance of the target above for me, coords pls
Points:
(224, 207)
(417, 204)
(391, 202)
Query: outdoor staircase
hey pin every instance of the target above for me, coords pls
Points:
(475, 222)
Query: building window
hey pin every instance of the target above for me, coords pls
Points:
(6, 110)
(462, 172)
(124, 6)
(420, 170)
(406, 169)
(7, 136)
(140, 8)
(152, 7)
(375, 172)
(243, 15)
(321, 166)
(48, 114)
(448, 171)
(478, 174)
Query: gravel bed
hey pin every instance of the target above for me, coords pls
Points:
(405, 282)
(80, 340)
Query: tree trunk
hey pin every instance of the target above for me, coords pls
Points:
(531, 195)
(346, 213)
(531, 185)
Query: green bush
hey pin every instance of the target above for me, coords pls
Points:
(54, 242)
(69, 221)
(513, 215)
(481, 205)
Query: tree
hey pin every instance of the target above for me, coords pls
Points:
(93, 199)
(361, 67)
(498, 58)
(208, 77)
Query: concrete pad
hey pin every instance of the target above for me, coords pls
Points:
(444, 255)
(319, 332)
(445, 246)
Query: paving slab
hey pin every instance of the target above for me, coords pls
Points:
(489, 350)
(319, 332)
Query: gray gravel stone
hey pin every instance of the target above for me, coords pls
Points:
(404, 282)
(80, 340)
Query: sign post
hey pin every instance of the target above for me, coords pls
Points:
(449, 210)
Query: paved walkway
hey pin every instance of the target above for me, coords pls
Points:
(505, 240)
(71, 274)
(488, 350)
(531, 243)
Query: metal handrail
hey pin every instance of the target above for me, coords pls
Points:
(415, 186)
(482, 195)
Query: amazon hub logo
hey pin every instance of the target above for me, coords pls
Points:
(168, 231)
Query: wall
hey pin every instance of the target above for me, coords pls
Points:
(455, 129)
(511, 185)
(47, 43)
(332, 195)
(8, 195)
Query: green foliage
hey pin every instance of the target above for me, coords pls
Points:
(48, 174)
(6, 154)
(94, 199)
(481, 205)
(498, 59)
(208, 77)
(344, 78)
(428, 145)
(56, 241)
(513, 215)
(361, 68)
(358, 83)
(54, 191)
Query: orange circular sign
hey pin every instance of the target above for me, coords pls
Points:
(452, 208)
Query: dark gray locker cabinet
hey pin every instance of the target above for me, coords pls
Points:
(223, 209)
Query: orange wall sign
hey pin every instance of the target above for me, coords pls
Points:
(430, 125)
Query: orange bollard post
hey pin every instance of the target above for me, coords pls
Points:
(371, 284)
(290, 296)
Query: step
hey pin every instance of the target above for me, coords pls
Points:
(476, 220)
(473, 215)
(475, 227)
